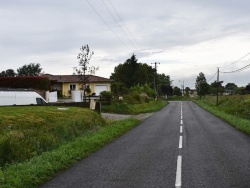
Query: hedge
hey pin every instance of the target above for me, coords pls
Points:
(34, 82)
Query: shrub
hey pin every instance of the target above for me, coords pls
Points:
(106, 95)
(144, 89)
(133, 98)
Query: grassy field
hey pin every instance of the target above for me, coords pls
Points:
(233, 109)
(37, 142)
(124, 108)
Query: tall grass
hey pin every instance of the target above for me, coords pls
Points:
(233, 109)
(26, 132)
(39, 169)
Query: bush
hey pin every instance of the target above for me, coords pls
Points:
(133, 98)
(144, 89)
(106, 95)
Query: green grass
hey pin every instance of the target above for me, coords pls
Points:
(26, 132)
(125, 108)
(39, 169)
(233, 109)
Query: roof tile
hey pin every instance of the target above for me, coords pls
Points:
(76, 78)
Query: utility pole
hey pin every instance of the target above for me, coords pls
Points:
(217, 99)
(155, 76)
(182, 86)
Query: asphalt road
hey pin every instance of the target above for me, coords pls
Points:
(180, 146)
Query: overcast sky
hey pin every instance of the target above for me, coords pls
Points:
(186, 37)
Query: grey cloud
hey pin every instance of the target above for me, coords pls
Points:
(44, 29)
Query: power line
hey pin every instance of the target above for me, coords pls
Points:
(124, 24)
(238, 59)
(239, 70)
(118, 23)
(107, 25)
(212, 76)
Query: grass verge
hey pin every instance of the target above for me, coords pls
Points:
(27, 132)
(124, 108)
(239, 123)
(40, 169)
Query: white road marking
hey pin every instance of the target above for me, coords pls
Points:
(179, 159)
(178, 172)
(180, 142)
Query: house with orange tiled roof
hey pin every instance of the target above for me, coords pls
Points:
(64, 84)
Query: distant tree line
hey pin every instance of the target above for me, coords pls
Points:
(24, 78)
(32, 69)
(203, 88)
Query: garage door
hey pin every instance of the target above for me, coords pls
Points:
(100, 88)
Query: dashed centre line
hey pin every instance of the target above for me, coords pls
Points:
(179, 159)
(180, 142)
(178, 172)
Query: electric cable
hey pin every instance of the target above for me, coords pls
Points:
(238, 70)
(238, 60)
(118, 23)
(212, 77)
(125, 25)
(107, 25)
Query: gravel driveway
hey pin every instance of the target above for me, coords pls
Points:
(122, 116)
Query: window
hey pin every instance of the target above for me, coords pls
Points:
(40, 101)
(72, 86)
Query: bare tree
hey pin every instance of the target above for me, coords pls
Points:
(84, 57)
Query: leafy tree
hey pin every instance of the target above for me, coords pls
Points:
(201, 85)
(187, 91)
(164, 79)
(8, 73)
(177, 91)
(33, 69)
(2, 74)
(167, 90)
(248, 88)
(231, 86)
(164, 85)
(132, 73)
(214, 85)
